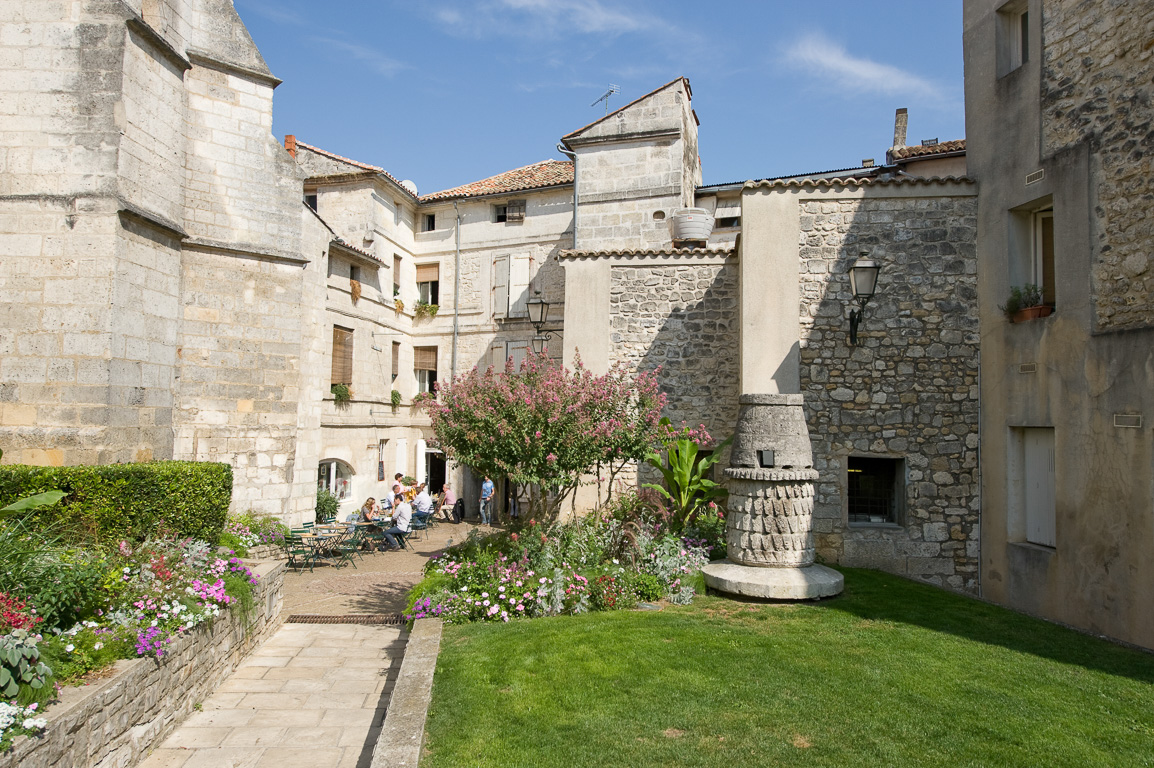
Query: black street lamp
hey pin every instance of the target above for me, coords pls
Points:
(538, 314)
(863, 282)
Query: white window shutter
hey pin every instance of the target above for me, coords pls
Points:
(517, 350)
(519, 285)
(497, 356)
(501, 286)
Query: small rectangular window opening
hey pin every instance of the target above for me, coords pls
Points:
(874, 489)
(429, 222)
(311, 201)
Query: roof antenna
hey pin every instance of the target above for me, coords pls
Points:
(605, 96)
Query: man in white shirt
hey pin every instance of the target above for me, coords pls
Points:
(423, 504)
(402, 513)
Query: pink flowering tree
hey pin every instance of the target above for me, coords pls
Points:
(545, 427)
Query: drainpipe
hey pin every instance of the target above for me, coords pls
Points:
(572, 156)
(456, 288)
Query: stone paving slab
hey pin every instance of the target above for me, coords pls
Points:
(276, 711)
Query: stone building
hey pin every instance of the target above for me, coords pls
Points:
(190, 288)
(1059, 101)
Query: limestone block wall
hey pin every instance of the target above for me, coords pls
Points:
(239, 376)
(909, 390)
(681, 316)
(118, 720)
(1096, 77)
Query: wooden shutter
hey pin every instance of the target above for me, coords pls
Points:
(428, 273)
(515, 210)
(396, 359)
(517, 350)
(519, 285)
(501, 286)
(497, 356)
(424, 358)
(342, 355)
(1040, 481)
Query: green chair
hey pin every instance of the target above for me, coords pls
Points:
(299, 553)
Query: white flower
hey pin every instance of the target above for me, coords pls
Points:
(98, 646)
(70, 647)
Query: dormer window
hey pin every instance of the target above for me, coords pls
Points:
(512, 212)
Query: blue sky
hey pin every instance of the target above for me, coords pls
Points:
(446, 92)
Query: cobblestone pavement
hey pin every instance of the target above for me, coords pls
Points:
(378, 584)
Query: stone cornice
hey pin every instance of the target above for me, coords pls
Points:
(208, 61)
(149, 218)
(142, 29)
(242, 250)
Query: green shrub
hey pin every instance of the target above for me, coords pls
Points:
(72, 655)
(126, 501)
(649, 587)
(66, 587)
(327, 506)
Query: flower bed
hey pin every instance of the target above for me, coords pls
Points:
(117, 720)
(587, 564)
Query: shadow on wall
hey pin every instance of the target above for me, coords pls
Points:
(682, 319)
(904, 400)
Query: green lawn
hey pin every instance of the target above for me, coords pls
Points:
(891, 673)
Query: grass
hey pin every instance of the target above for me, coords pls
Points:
(891, 673)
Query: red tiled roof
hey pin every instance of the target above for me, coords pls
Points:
(858, 182)
(548, 173)
(923, 151)
(363, 166)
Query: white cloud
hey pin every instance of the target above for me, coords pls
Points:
(371, 57)
(540, 19)
(832, 63)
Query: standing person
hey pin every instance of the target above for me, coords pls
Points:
(402, 513)
(399, 479)
(486, 500)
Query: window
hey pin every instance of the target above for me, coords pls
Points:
(512, 212)
(311, 201)
(1043, 248)
(342, 356)
(1032, 506)
(381, 445)
(727, 222)
(874, 489)
(1013, 36)
(336, 477)
(396, 359)
(429, 222)
(511, 274)
(502, 351)
(425, 366)
(1032, 248)
(428, 283)
(396, 275)
(354, 273)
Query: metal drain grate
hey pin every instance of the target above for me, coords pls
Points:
(352, 618)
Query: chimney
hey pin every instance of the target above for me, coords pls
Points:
(290, 143)
(900, 121)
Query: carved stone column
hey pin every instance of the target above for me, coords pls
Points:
(769, 520)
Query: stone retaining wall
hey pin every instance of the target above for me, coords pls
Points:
(117, 721)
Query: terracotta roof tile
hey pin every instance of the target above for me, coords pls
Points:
(548, 173)
(858, 182)
(354, 163)
(923, 151)
(632, 253)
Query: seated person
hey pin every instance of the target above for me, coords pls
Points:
(369, 509)
(448, 499)
(423, 503)
(391, 496)
(402, 513)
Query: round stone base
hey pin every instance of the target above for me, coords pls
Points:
(807, 583)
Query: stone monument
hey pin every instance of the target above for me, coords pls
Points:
(769, 516)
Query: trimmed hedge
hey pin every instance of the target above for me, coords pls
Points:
(127, 501)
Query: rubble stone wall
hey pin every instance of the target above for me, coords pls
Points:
(1096, 76)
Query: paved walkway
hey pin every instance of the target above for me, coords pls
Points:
(314, 695)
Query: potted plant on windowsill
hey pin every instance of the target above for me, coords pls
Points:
(1025, 303)
(424, 310)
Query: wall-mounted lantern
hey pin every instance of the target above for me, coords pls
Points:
(538, 314)
(863, 281)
